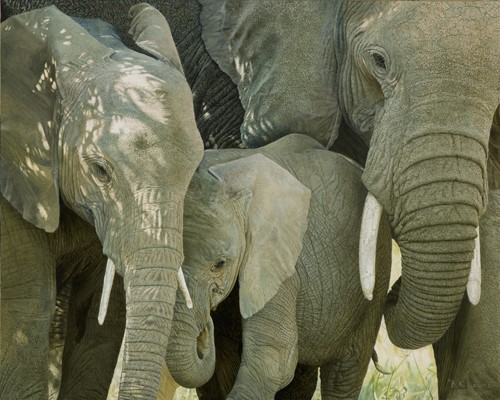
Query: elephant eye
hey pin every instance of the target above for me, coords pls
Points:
(379, 60)
(101, 171)
(218, 264)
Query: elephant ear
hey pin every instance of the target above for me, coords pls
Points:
(40, 51)
(151, 32)
(276, 224)
(281, 55)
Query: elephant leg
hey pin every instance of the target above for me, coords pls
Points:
(28, 301)
(303, 385)
(270, 347)
(342, 379)
(91, 350)
(56, 340)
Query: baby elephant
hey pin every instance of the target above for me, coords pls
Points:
(283, 221)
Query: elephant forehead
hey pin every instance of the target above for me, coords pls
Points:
(421, 23)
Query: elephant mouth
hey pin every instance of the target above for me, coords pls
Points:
(203, 340)
(372, 213)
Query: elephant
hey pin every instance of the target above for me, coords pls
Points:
(413, 87)
(467, 355)
(99, 144)
(408, 96)
(397, 86)
(278, 220)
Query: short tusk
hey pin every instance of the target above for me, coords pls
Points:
(183, 288)
(372, 212)
(474, 283)
(106, 291)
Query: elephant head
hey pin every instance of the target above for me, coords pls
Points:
(111, 132)
(244, 221)
(417, 82)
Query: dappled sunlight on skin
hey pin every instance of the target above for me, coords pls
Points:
(120, 153)
(133, 107)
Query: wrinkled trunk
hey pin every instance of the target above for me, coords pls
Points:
(150, 295)
(191, 349)
(436, 229)
(434, 192)
(149, 257)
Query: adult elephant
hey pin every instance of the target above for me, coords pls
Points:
(407, 80)
(99, 144)
(416, 82)
(467, 355)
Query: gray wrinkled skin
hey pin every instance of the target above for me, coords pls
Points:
(316, 316)
(418, 83)
(468, 355)
(216, 102)
(94, 136)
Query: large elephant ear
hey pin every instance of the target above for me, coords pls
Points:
(276, 224)
(281, 55)
(151, 32)
(40, 50)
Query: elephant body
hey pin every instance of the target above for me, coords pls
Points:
(467, 356)
(409, 89)
(305, 307)
(86, 123)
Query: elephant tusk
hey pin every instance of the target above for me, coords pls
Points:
(106, 291)
(474, 283)
(181, 281)
(372, 212)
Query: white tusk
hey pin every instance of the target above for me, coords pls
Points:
(474, 283)
(106, 291)
(183, 288)
(372, 212)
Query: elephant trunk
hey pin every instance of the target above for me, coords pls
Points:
(191, 349)
(436, 217)
(434, 193)
(148, 256)
(435, 271)
(150, 290)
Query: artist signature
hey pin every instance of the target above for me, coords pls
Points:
(470, 385)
